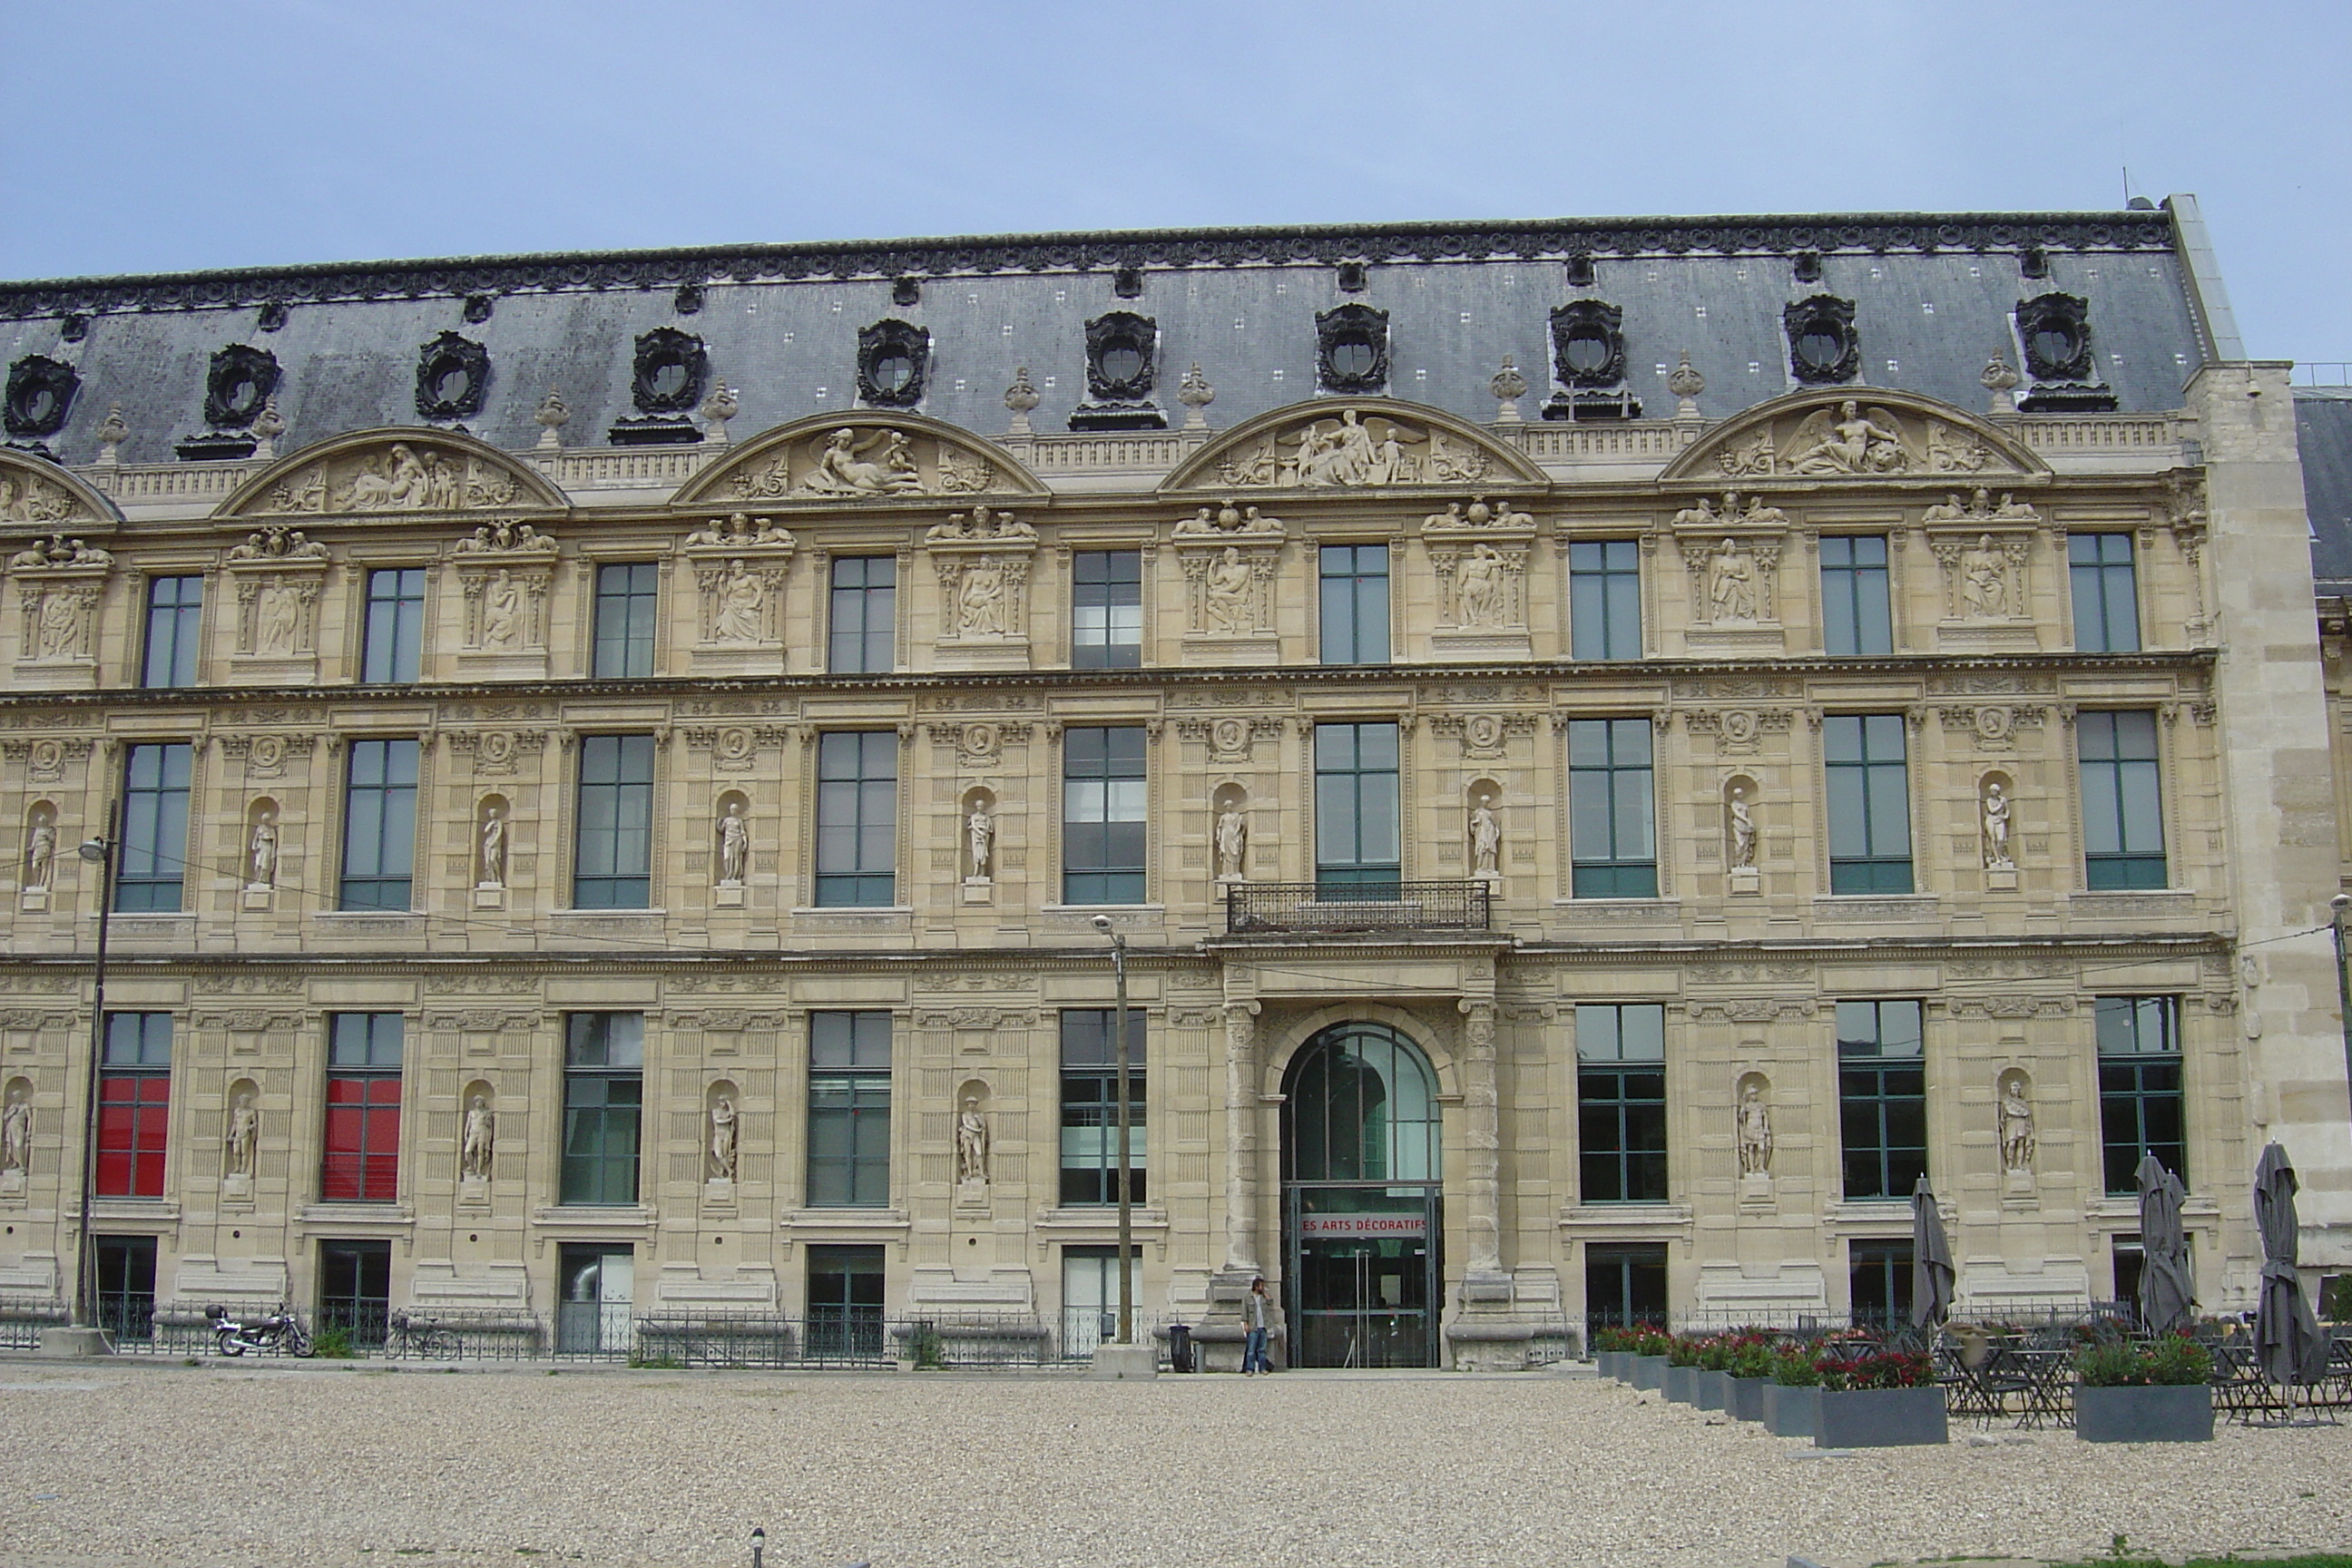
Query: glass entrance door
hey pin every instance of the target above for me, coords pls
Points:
(1362, 1274)
(595, 1316)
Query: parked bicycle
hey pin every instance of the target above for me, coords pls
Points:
(424, 1338)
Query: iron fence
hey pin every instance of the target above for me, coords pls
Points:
(461, 1333)
(1261, 908)
(22, 1319)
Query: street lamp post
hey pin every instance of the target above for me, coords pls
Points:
(2336, 905)
(101, 852)
(1126, 1207)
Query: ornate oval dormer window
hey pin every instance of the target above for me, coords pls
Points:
(893, 360)
(1822, 347)
(670, 368)
(2055, 331)
(1122, 358)
(453, 375)
(241, 380)
(40, 393)
(1588, 353)
(1352, 346)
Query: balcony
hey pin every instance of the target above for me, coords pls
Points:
(1277, 909)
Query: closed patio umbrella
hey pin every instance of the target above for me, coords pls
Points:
(2166, 1289)
(1931, 1261)
(2286, 1336)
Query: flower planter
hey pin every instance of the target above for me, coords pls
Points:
(1881, 1419)
(1791, 1411)
(1747, 1400)
(1648, 1371)
(2179, 1413)
(1714, 1389)
(1681, 1384)
(1612, 1363)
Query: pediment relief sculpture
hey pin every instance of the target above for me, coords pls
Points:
(862, 458)
(374, 474)
(28, 496)
(1882, 435)
(1359, 445)
(1701, 516)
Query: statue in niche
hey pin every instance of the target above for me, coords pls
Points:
(17, 1130)
(244, 1130)
(1233, 842)
(1996, 828)
(1226, 597)
(839, 470)
(261, 860)
(2016, 1115)
(41, 853)
(1731, 583)
(734, 846)
(972, 1143)
(1984, 580)
(1743, 830)
(502, 612)
(1753, 1125)
(722, 1140)
(980, 835)
(1853, 443)
(1481, 589)
(1485, 840)
(278, 618)
(61, 625)
(982, 603)
(477, 1143)
(494, 848)
(742, 606)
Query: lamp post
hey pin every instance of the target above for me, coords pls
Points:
(101, 852)
(1126, 1207)
(2335, 908)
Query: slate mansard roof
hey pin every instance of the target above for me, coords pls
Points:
(1933, 296)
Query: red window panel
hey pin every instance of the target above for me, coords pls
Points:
(134, 1112)
(363, 1162)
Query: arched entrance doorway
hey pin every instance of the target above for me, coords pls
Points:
(1361, 1149)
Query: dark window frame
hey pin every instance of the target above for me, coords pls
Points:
(1104, 584)
(1604, 813)
(1089, 1102)
(1869, 800)
(604, 1109)
(380, 824)
(2143, 1103)
(2123, 799)
(612, 859)
(856, 819)
(151, 866)
(1604, 598)
(850, 1056)
(861, 623)
(360, 1153)
(2102, 580)
(1857, 596)
(1353, 602)
(392, 644)
(1344, 808)
(135, 1117)
(1104, 833)
(1882, 1098)
(1620, 1103)
(627, 619)
(174, 643)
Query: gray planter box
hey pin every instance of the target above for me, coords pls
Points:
(1791, 1412)
(1681, 1384)
(1648, 1371)
(1610, 1363)
(2173, 1414)
(1747, 1401)
(1881, 1419)
(1714, 1389)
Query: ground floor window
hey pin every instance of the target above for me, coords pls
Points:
(1625, 1283)
(596, 1315)
(355, 1290)
(1879, 1282)
(845, 1303)
(1090, 1297)
(126, 1285)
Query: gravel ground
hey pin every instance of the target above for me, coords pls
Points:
(327, 1465)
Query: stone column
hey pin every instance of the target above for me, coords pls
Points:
(1241, 1139)
(1481, 1140)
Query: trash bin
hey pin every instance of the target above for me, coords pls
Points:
(1179, 1347)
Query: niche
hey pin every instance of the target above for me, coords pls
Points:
(1484, 825)
(477, 1140)
(979, 841)
(722, 1110)
(261, 842)
(732, 839)
(240, 1137)
(15, 1133)
(1229, 831)
(38, 869)
(1742, 838)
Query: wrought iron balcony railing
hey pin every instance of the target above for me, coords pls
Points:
(1264, 909)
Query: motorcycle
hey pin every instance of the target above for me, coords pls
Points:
(272, 1332)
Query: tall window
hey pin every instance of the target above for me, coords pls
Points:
(1869, 803)
(849, 1110)
(394, 647)
(175, 615)
(155, 856)
(2123, 800)
(614, 865)
(1882, 1098)
(1612, 828)
(380, 825)
(126, 1285)
(362, 1160)
(2106, 597)
(1604, 598)
(627, 594)
(1090, 1105)
(1621, 1096)
(134, 1105)
(865, 602)
(2139, 1086)
(1625, 1283)
(1879, 1283)
(1355, 604)
(856, 817)
(1356, 824)
(1105, 609)
(604, 1098)
(1102, 815)
(1854, 615)
(355, 1290)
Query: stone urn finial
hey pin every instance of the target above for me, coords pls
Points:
(1508, 386)
(717, 409)
(554, 414)
(1999, 379)
(267, 426)
(1685, 383)
(1020, 398)
(111, 433)
(1196, 394)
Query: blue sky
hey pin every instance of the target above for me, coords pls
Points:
(155, 136)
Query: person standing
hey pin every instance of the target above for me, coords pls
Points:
(1255, 1309)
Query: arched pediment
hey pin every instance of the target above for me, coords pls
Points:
(1356, 443)
(392, 472)
(38, 494)
(865, 455)
(1883, 435)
